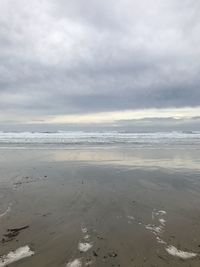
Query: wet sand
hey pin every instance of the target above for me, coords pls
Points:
(101, 206)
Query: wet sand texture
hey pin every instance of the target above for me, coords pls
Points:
(100, 207)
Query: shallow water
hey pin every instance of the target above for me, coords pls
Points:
(106, 206)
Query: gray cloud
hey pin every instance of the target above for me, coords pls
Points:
(64, 57)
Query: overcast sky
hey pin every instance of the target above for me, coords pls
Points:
(102, 61)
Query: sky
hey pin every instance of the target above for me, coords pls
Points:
(99, 64)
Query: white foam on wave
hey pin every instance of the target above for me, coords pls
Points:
(74, 263)
(109, 137)
(179, 253)
(16, 255)
(83, 247)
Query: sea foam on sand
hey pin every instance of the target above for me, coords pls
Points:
(179, 253)
(16, 255)
(154, 229)
(83, 247)
(84, 230)
(74, 263)
(5, 212)
(157, 231)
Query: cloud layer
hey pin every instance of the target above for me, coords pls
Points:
(78, 57)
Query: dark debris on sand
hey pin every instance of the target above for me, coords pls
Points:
(12, 233)
(27, 180)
